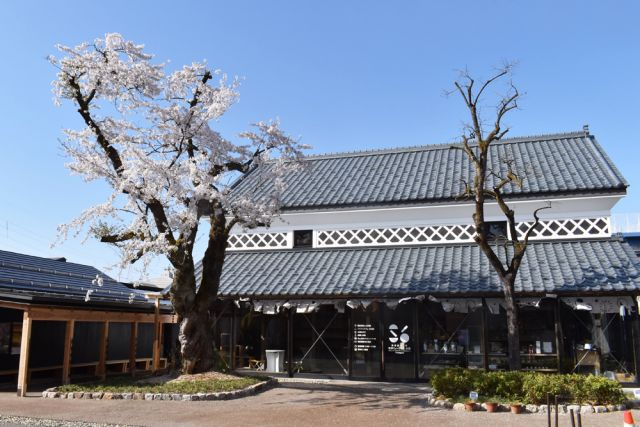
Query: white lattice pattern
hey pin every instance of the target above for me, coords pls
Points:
(394, 236)
(567, 228)
(251, 241)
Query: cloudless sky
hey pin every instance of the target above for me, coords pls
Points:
(342, 75)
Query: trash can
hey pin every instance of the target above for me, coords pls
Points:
(275, 360)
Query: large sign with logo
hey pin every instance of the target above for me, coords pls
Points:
(398, 339)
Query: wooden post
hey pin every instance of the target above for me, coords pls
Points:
(23, 370)
(348, 312)
(101, 369)
(485, 336)
(68, 344)
(233, 338)
(290, 342)
(133, 344)
(416, 341)
(156, 337)
(559, 334)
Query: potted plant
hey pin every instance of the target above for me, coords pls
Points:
(516, 407)
(491, 405)
(469, 405)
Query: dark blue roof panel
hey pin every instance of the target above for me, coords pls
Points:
(555, 266)
(30, 277)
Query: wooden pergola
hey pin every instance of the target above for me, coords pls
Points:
(33, 312)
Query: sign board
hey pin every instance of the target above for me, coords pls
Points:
(399, 339)
(473, 395)
(636, 393)
(364, 337)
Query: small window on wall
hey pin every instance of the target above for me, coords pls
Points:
(496, 230)
(302, 238)
(10, 337)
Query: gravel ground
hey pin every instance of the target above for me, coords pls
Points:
(30, 421)
(291, 404)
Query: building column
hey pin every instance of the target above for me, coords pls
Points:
(290, 342)
(156, 337)
(23, 370)
(349, 314)
(101, 370)
(485, 336)
(133, 348)
(559, 334)
(68, 348)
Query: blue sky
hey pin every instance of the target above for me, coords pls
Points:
(341, 75)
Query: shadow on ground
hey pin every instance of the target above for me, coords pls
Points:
(368, 396)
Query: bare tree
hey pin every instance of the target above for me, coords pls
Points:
(487, 186)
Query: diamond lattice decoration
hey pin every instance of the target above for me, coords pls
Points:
(251, 241)
(567, 228)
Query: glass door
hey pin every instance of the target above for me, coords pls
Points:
(399, 342)
(365, 339)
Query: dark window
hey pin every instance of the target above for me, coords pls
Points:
(302, 238)
(496, 230)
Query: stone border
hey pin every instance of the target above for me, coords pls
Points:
(52, 393)
(533, 409)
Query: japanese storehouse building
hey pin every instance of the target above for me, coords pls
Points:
(371, 272)
(61, 321)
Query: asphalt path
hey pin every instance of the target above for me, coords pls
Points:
(289, 404)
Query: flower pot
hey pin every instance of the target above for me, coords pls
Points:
(491, 406)
(470, 406)
(516, 408)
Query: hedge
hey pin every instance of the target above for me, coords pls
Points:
(526, 387)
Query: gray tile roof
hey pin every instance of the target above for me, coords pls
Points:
(558, 266)
(31, 278)
(561, 163)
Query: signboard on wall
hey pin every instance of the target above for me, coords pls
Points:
(364, 337)
(398, 339)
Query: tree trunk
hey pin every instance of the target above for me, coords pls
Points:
(195, 334)
(196, 341)
(513, 331)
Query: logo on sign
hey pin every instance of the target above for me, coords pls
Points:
(396, 334)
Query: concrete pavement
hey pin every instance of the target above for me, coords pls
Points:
(290, 404)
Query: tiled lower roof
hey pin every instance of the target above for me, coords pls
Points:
(559, 267)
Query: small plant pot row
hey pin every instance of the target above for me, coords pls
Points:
(517, 408)
(53, 393)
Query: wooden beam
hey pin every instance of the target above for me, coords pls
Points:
(156, 338)
(62, 314)
(68, 348)
(14, 305)
(133, 344)
(101, 369)
(23, 370)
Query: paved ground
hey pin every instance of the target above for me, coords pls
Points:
(290, 404)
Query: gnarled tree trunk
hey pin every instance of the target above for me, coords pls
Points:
(194, 304)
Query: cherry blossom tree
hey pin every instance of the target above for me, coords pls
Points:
(148, 133)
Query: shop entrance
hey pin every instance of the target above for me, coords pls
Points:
(383, 342)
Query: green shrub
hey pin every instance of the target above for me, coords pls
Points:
(537, 386)
(453, 382)
(601, 391)
(527, 387)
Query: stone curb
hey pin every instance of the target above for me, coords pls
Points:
(534, 409)
(52, 393)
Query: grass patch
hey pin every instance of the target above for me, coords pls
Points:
(127, 384)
